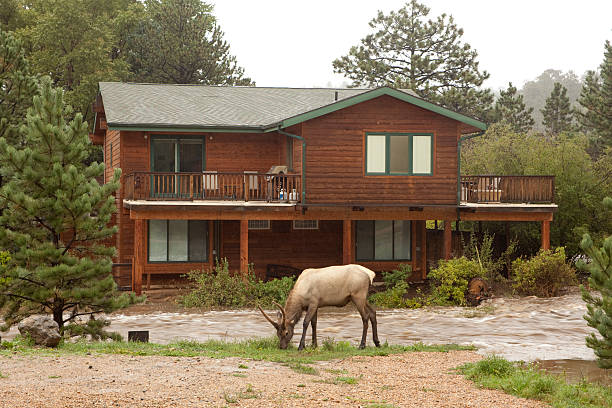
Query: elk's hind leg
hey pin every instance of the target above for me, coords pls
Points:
(360, 304)
(374, 324)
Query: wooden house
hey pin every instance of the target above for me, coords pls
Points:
(292, 177)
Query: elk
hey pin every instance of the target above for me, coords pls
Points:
(330, 286)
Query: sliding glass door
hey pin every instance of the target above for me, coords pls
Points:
(176, 155)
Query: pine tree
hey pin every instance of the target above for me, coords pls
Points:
(510, 109)
(599, 308)
(408, 50)
(55, 220)
(17, 87)
(557, 113)
(596, 99)
(180, 42)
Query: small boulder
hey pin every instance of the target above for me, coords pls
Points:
(477, 291)
(42, 329)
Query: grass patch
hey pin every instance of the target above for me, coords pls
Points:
(255, 349)
(345, 380)
(3, 375)
(240, 375)
(381, 405)
(234, 397)
(527, 382)
(242, 366)
(335, 371)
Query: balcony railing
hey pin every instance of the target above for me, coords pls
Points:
(210, 185)
(507, 189)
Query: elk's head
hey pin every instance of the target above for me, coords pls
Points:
(284, 328)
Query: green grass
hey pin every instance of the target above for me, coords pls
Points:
(234, 397)
(527, 382)
(255, 349)
(345, 380)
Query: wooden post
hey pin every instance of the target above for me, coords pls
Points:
(211, 243)
(139, 255)
(244, 246)
(448, 238)
(347, 242)
(424, 249)
(546, 235)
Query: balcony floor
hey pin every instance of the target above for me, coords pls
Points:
(206, 203)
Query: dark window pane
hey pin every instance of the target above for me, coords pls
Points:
(364, 240)
(163, 156)
(399, 152)
(190, 156)
(198, 243)
(401, 240)
(383, 240)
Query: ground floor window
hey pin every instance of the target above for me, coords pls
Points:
(383, 240)
(178, 241)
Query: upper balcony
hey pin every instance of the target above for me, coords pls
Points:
(213, 186)
(491, 189)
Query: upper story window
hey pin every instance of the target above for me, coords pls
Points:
(402, 154)
(173, 155)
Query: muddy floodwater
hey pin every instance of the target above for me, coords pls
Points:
(525, 329)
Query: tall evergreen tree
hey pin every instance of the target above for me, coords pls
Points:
(596, 99)
(55, 220)
(181, 42)
(599, 307)
(510, 109)
(75, 42)
(406, 50)
(17, 87)
(557, 114)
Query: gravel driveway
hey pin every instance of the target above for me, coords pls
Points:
(403, 380)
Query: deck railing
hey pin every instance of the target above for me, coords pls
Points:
(210, 185)
(507, 189)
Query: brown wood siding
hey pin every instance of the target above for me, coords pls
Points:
(336, 155)
(282, 245)
(237, 152)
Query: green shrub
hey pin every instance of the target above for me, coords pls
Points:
(220, 288)
(397, 276)
(482, 252)
(544, 275)
(395, 295)
(450, 280)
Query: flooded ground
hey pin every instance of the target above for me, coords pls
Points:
(525, 329)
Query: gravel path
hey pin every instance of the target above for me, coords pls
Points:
(403, 380)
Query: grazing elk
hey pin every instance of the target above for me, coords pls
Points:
(330, 286)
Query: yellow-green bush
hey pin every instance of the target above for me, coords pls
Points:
(450, 280)
(544, 275)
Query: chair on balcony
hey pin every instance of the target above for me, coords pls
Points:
(210, 185)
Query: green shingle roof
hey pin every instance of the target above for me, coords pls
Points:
(130, 105)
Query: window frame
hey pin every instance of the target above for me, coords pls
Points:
(206, 240)
(388, 136)
(315, 227)
(392, 259)
(258, 228)
(176, 138)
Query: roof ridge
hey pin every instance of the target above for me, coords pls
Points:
(237, 86)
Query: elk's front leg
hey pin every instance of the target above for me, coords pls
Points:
(313, 325)
(312, 310)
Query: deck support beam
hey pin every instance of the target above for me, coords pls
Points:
(139, 255)
(347, 242)
(244, 247)
(423, 249)
(546, 235)
(448, 239)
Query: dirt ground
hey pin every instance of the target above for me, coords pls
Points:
(404, 380)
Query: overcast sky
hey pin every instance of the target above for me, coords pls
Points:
(288, 43)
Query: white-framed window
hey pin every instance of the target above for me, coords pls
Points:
(305, 224)
(399, 154)
(259, 224)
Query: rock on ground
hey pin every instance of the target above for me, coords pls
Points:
(42, 329)
(424, 380)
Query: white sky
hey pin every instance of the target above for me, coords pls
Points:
(288, 43)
